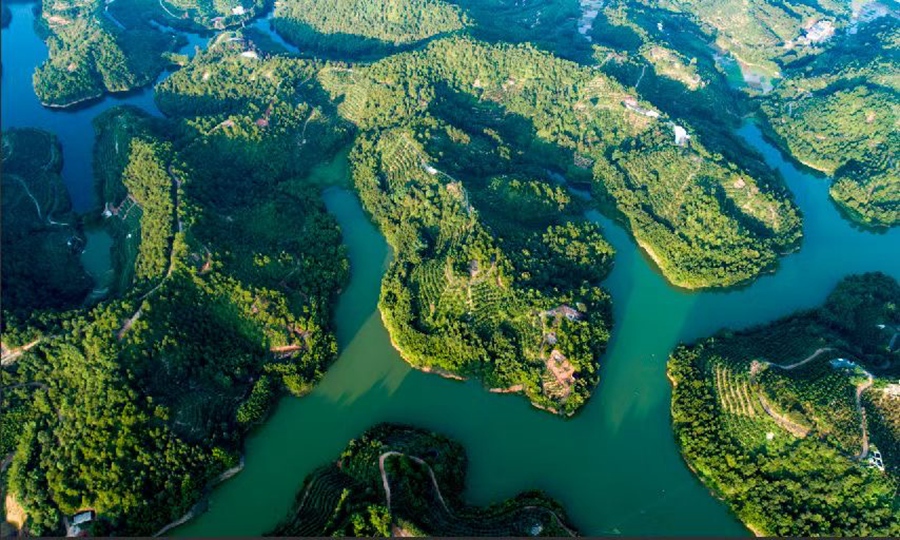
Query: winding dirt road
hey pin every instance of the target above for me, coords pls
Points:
(437, 488)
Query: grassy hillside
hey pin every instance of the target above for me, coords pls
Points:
(784, 421)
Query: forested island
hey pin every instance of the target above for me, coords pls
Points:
(796, 424)
(401, 481)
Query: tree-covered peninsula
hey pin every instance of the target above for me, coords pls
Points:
(705, 220)
(819, 75)
(191, 15)
(91, 52)
(401, 481)
(758, 32)
(228, 268)
(796, 424)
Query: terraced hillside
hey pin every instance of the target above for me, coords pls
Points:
(199, 16)
(821, 75)
(809, 401)
(42, 237)
(699, 215)
(466, 296)
(759, 32)
(400, 481)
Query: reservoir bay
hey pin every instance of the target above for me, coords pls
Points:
(615, 466)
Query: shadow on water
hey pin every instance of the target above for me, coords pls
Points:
(615, 466)
(365, 248)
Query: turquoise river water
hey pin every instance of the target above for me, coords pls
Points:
(615, 466)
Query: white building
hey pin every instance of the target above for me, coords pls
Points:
(681, 135)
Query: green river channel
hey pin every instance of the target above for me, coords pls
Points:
(615, 465)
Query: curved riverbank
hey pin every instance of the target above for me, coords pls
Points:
(513, 446)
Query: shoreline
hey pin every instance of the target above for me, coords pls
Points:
(453, 376)
(198, 506)
(695, 473)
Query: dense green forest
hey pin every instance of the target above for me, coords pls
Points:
(42, 237)
(400, 481)
(91, 52)
(781, 420)
(552, 25)
(705, 220)
(462, 147)
(358, 27)
(820, 74)
(231, 267)
(837, 113)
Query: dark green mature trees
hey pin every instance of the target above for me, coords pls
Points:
(235, 267)
(767, 420)
(706, 221)
(821, 74)
(41, 238)
(356, 27)
(837, 114)
(91, 53)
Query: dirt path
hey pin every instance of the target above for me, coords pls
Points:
(6, 461)
(794, 428)
(801, 431)
(809, 358)
(9, 356)
(786, 423)
(862, 387)
(437, 488)
(285, 349)
(126, 326)
(110, 15)
(174, 16)
(37, 205)
(128, 323)
(384, 479)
